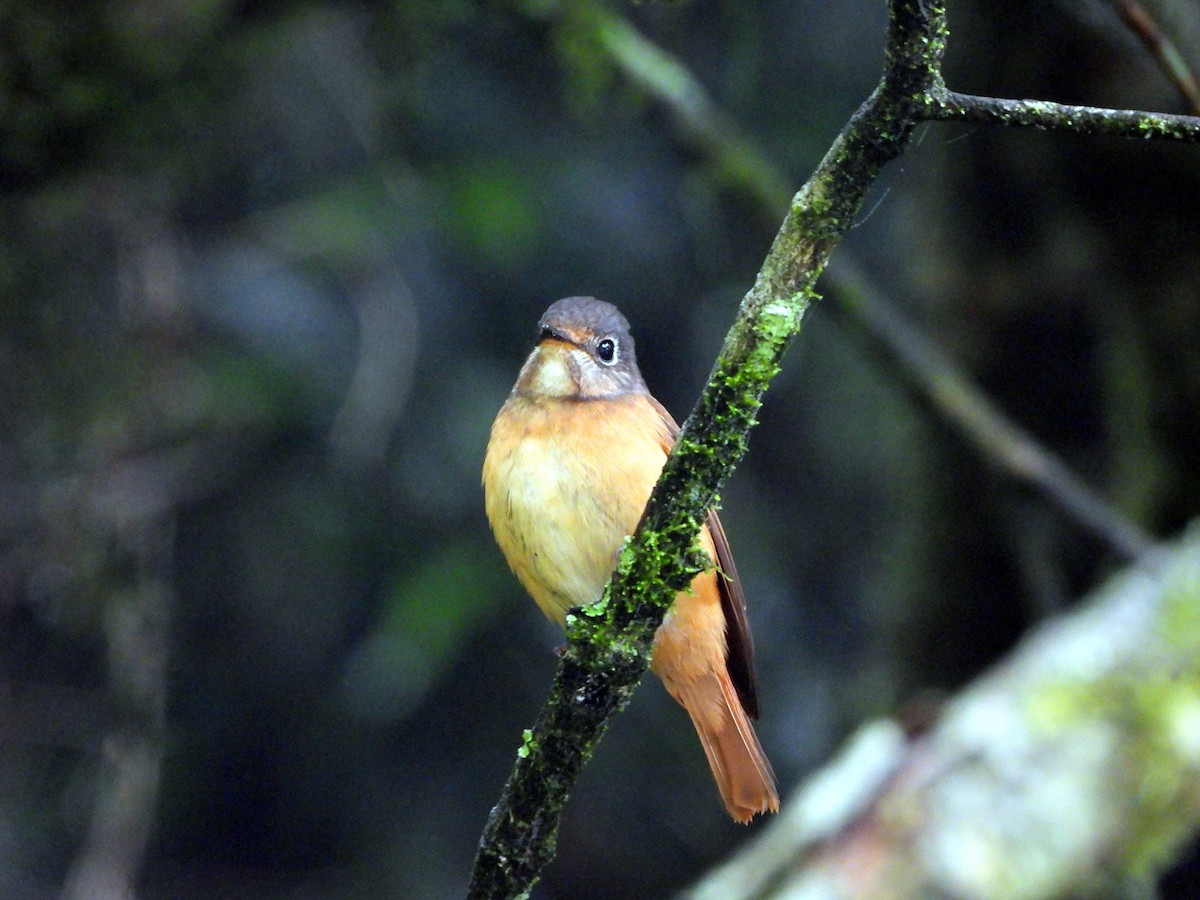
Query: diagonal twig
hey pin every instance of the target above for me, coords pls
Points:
(996, 436)
(1162, 48)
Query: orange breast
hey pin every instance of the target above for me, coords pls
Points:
(564, 482)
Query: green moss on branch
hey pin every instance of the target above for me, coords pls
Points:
(609, 643)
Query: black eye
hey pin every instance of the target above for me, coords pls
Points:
(606, 350)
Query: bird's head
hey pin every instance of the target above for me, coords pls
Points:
(584, 352)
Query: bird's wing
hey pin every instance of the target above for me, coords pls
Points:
(739, 658)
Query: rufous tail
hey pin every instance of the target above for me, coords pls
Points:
(741, 769)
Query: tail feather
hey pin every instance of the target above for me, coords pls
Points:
(739, 765)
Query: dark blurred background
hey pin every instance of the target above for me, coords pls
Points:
(267, 271)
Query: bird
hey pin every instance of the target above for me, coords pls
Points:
(573, 455)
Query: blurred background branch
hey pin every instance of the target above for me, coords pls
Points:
(1142, 23)
(136, 630)
(1071, 769)
(963, 405)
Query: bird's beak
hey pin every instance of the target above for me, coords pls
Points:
(552, 335)
(552, 369)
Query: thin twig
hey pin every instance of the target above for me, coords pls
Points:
(951, 106)
(702, 121)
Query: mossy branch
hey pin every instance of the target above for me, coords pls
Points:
(608, 643)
